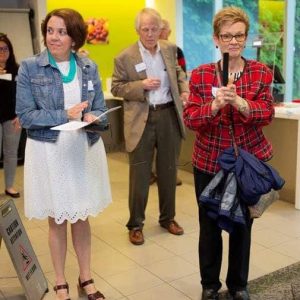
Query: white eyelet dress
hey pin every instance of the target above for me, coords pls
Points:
(68, 179)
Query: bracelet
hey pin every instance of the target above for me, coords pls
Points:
(242, 107)
(214, 112)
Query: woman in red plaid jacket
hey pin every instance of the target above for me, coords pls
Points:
(247, 102)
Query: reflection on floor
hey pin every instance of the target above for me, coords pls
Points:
(166, 266)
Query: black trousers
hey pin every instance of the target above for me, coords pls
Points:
(211, 246)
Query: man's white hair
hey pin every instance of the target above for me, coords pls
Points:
(150, 12)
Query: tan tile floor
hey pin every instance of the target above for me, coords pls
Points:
(166, 266)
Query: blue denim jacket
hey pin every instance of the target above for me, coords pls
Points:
(40, 96)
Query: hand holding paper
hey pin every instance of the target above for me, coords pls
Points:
(74, 125)
(75, 111)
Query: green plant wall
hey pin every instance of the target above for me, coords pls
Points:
(271, 27)
(197, 27)
(296, 81)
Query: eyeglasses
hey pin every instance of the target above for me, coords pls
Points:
(227, 37)
(4, 49)
(146, 30)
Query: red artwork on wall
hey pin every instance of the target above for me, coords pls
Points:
(97, 31)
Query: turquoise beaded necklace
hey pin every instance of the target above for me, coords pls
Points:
(65, 78)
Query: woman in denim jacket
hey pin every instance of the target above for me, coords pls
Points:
(65, 175)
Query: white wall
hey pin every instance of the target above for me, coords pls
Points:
(40, 10)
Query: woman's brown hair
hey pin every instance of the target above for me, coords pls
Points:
(76, 28)
(11, 65)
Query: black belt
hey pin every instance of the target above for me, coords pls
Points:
(161, 106)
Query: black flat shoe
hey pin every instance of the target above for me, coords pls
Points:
(240, 295)
(14, 195)
(210, 294)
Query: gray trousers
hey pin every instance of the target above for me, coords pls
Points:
(162, 133)
(10, 138)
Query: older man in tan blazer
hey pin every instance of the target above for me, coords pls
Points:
(148, 78)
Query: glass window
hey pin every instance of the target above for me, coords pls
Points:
(197, 27)
(198, 32)
(296, 81)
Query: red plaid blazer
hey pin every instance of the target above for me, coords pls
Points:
(212, 132)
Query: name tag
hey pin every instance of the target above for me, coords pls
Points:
(90, 86)
(140, 67)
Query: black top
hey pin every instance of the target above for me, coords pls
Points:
(181, 59)
(7, 99)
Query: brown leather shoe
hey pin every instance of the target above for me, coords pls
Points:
(136, 236)
(173, 227)
(178, 181)
(153, 178)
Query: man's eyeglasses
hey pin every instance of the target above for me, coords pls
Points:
(4, 49)
(227, 37)
(146, 30)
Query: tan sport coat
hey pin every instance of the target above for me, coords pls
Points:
(127, 84)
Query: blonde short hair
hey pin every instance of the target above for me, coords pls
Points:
(230, 14)
(150, 12)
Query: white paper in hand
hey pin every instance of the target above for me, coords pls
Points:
(6, 76)
(74, 125)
